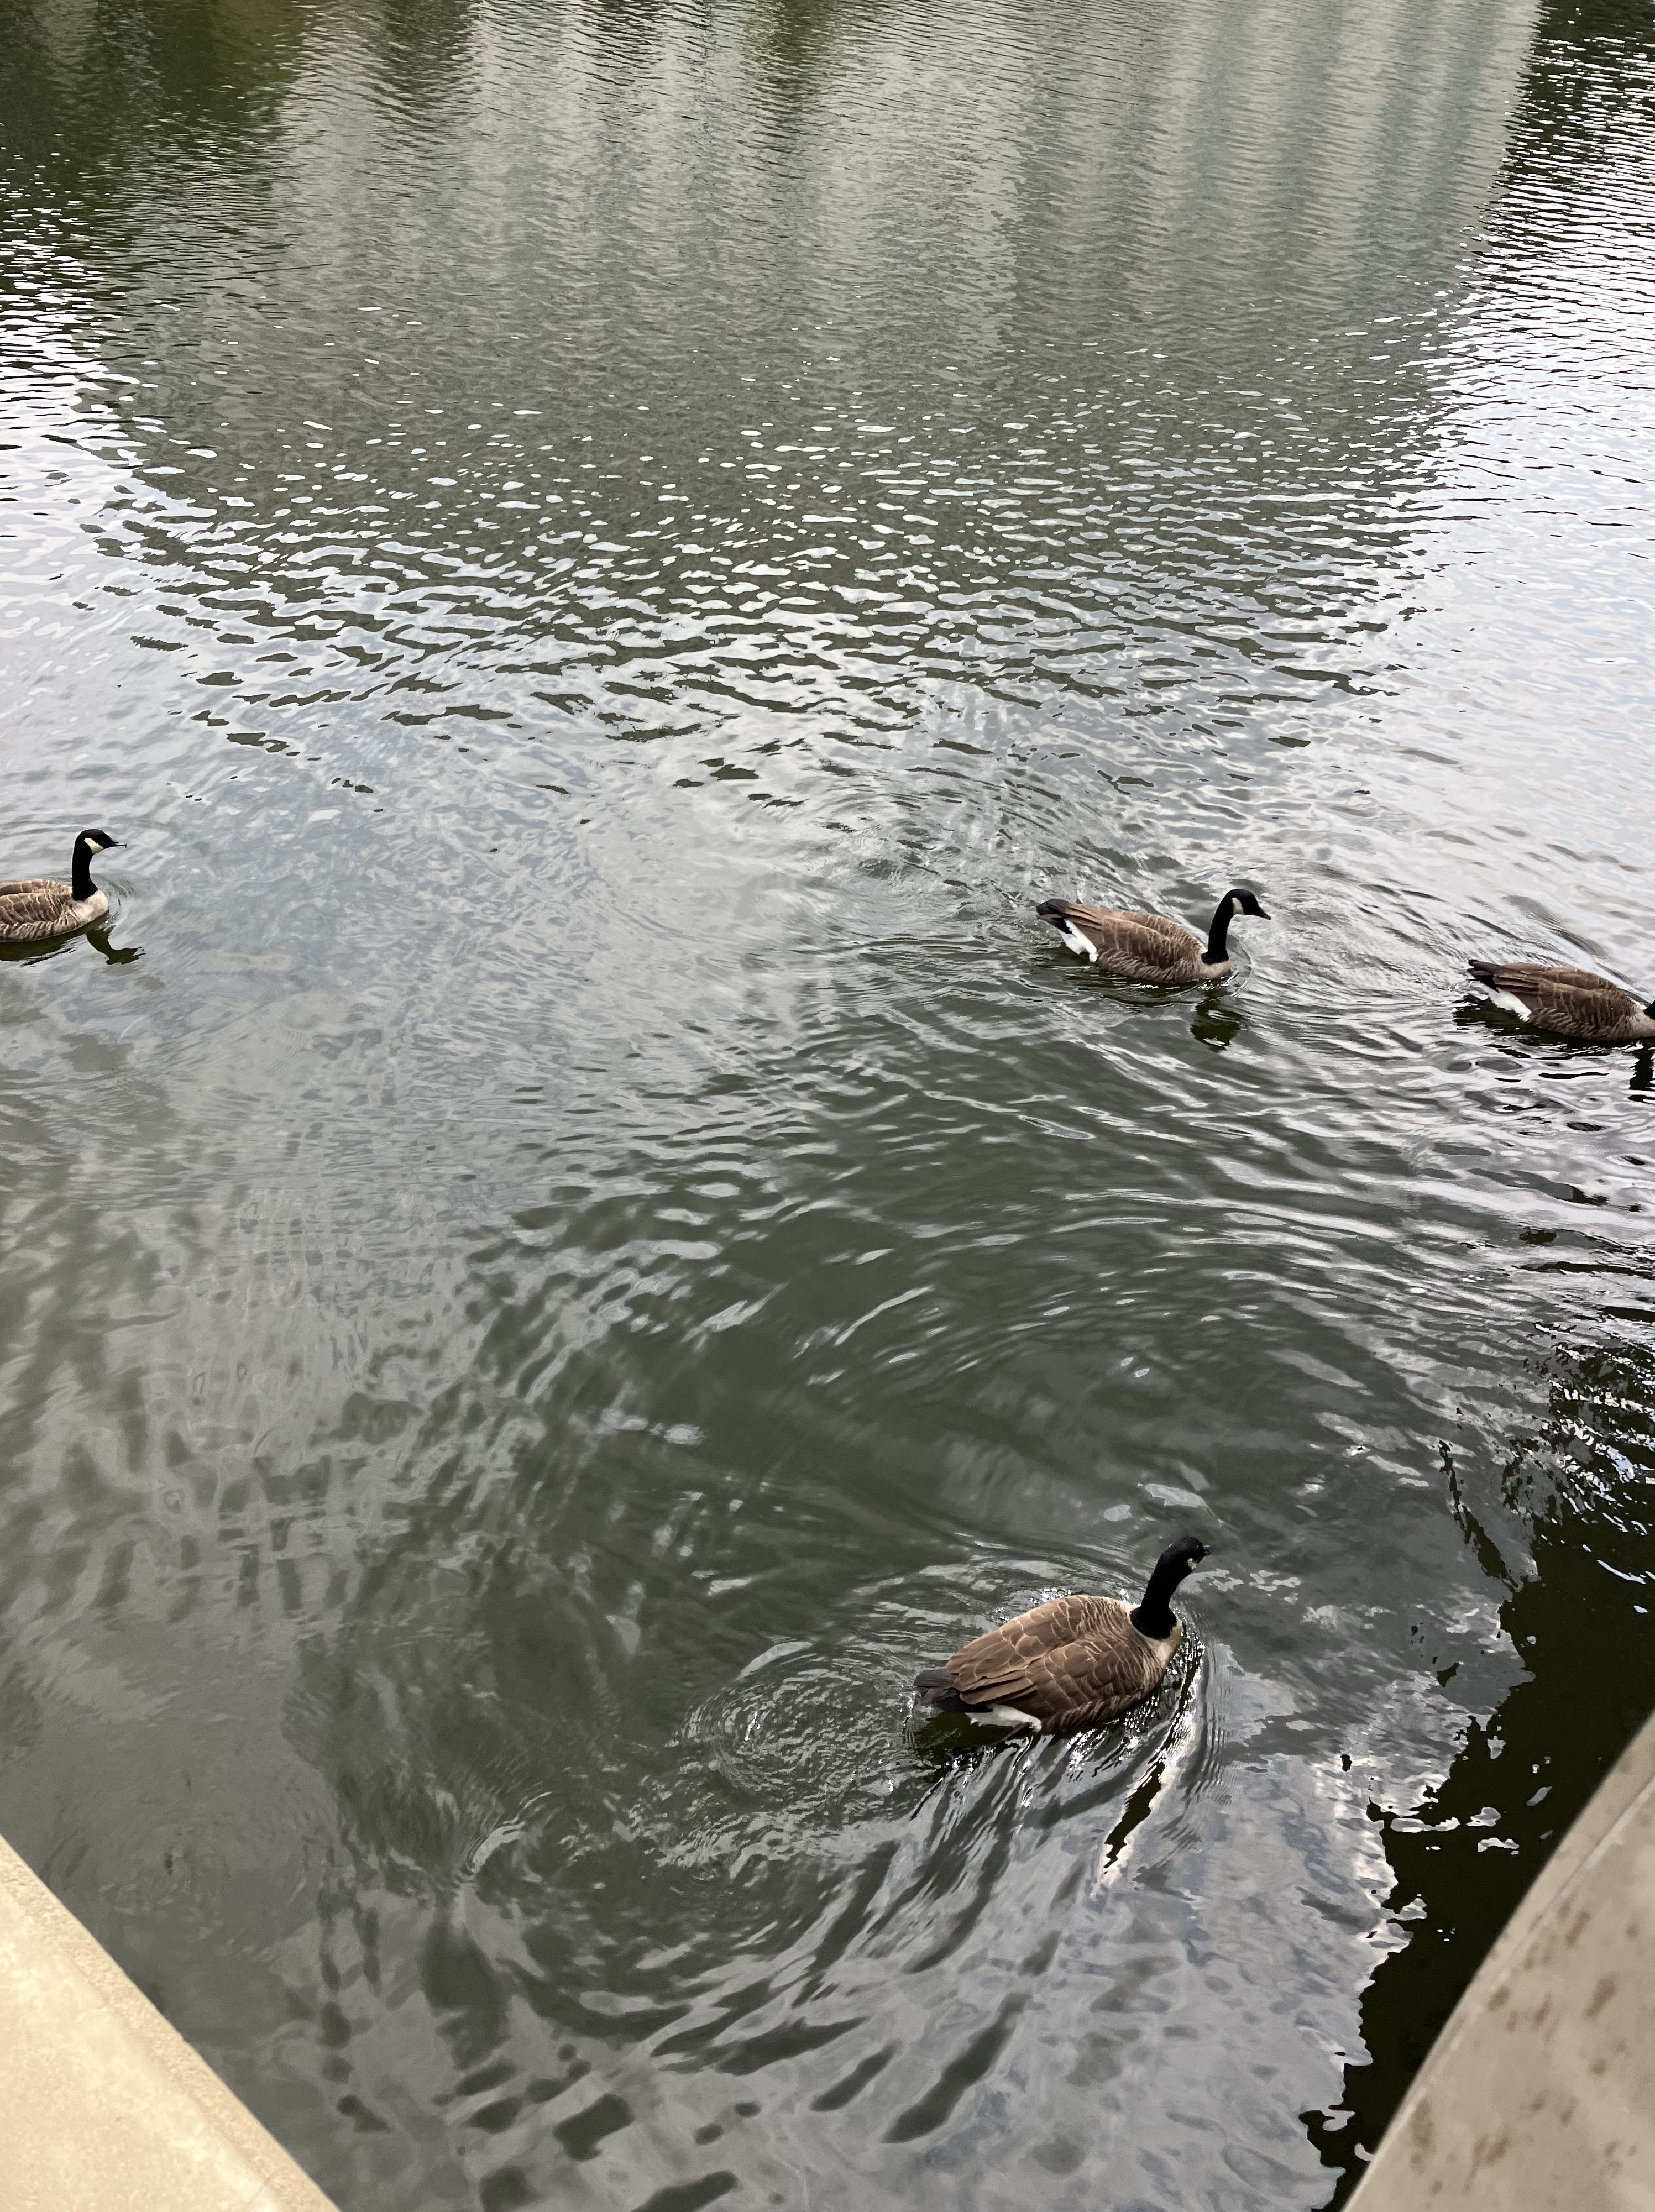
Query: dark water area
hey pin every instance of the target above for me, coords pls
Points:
(573, 1231)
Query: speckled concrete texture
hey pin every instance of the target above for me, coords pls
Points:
(1540, 2091)
(103, 2106)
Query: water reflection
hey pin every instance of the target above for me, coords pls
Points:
(1581, 1489)
(788, 1778)
(51, 948)
(1218, 1023)
(789, 545)
(613, 552)
(117, 955)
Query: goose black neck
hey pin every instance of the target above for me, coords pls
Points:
(1218, 936)
(82, 886)
(1154, 1617)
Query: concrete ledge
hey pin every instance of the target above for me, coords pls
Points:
(1540, 2091)
(103, 2106)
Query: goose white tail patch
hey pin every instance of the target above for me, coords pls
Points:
(1005, 1716)
(1512, 1005)
(1076, 943)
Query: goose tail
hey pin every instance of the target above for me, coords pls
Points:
(1059, 913)
(935, 1689)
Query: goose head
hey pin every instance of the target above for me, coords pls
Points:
(1240, 902)
(1153, 1616)
(88, 842)
(1180, 1560)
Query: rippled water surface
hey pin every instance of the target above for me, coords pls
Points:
(573, 1230)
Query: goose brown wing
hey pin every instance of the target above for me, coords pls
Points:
(1147, 947)
(1010, 1661)
(32, 905)
(1602, 1013)
(1571, 1001)
(1090, 1681)
(1524, 975)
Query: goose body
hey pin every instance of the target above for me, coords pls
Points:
(1146, 948)
(1070, 1663)
(1570, 1002)
(34, 908)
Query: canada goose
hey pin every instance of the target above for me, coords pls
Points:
(1572, 1002)
(1144, 947)
(1071, 1662)
(39, 906)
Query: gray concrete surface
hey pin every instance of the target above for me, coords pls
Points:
(1539, 2094)
(103, 2106)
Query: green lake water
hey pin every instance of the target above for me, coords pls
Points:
(573, 1230)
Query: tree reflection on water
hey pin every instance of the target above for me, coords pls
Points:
(1584, 1484)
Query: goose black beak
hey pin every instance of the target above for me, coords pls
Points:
(1261, 917)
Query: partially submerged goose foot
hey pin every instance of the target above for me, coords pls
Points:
(1069, 1663)
(1146, 948)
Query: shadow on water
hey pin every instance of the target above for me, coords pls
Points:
(1218, 1023)
(1217, 1020)
(1583, 1483)
(117, 956)
(1556, 102)
(50, 948)
(1553, 1053)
